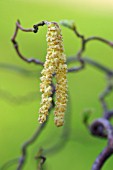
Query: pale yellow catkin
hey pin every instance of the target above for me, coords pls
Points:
(55, 63)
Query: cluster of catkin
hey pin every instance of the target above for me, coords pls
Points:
(54, 65)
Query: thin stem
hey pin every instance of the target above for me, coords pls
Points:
(15, 44)
(65, 134)
(108, 115)
(41, 162)
(27, 143)
(109, 43)
(102, 158)
(92, 63)
(20, 70)
(102, 97)
(75, 69)
(9, 164)
(17, 100)
(108, 151)
(84, 40)
(35, 136)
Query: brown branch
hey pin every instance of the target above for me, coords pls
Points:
(15, 44)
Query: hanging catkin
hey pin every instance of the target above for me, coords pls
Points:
(54, 64)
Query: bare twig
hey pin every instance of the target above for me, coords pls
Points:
(17, 100)
(34, 137)
(84, 40)
(9, 164)
(108, 115)
(102, 158)
(64, 137)
(13, 39)
(41, 159)
(20, 70)
(107, 90)
(75, 69)
(27, 143)
(109, 43)
(108, 151)
(92, 63)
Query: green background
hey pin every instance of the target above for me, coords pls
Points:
(18, 116)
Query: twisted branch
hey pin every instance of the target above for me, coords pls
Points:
(15, 44)
(108, 151)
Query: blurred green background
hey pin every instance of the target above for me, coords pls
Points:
(18, 116)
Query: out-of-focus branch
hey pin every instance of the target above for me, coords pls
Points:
(92, 63)
(108, 115)
(27, 143)
(17, 100)
(102, 158)
(20, 70)
(41, 159)
(108, 151)
(65, 134)
(106, 92)
(9, 163)
(76, 69)
(34, 137)
(41, 162)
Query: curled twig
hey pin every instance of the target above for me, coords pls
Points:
(13, 39)
(108, 151)
(27, 143)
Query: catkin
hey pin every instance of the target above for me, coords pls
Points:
(54, 64)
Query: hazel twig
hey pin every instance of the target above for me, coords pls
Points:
(27, 143)
(108, 151)
(34, 137)
(106, 92)
(15, 44)
(84, 41)
(93, 63)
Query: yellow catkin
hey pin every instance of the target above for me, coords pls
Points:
(55, 63)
